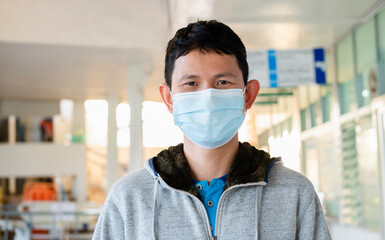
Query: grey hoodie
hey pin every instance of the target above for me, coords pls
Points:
(283, 205)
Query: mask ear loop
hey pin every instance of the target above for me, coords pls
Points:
(172, 96)
(243, 93)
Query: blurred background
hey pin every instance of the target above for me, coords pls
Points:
(79, 102)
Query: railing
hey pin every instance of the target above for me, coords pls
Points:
(48, 224)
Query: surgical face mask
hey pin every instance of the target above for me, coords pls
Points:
(209, 118)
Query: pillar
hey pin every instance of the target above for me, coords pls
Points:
(12, 129)
(135, 84)
(112, 166)
(78, 122)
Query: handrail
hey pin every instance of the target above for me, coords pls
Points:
(28, 218)
(92, 212)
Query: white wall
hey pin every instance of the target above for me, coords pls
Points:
(29, 107)
(45, 159)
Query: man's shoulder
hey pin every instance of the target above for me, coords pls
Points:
(288, 187)
(133, 183)
(283, 176)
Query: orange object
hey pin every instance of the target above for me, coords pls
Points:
(44, 234)
(46, 128)
(39, 191)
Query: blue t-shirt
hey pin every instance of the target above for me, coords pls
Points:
(210, 194)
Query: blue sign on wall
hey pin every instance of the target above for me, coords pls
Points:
(273, 68)
(319, 65)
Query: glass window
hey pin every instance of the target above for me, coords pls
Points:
(345, 74)
(313, 114)
(347, 96)
(303, 120)
(345, 59)
(310, 161)
(365, 48)
(351, 191)
(326, 103)
(329, 174)
(369, 173)
(123, 124)
(96, 122)
(381, 44)
(329, 68)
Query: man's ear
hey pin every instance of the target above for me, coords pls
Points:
(252, 89)
(164, 90)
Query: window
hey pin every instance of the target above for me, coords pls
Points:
(123, 124)
(96, 122)
(303, 120)
(351, 189)
(365, 48)
(381, 45)
(345, 74)
(329, 173)
(326, 103)
(369, 173)
(313, 114)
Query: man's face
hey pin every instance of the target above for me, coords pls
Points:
(197, 71)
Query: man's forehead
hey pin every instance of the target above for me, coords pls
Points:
(197, 54)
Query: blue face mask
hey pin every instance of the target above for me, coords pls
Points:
(209, 118)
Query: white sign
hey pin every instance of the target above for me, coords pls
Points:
(287, 68)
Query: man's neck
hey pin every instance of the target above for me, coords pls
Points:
(206, 164)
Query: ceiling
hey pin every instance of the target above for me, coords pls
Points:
(51, 49)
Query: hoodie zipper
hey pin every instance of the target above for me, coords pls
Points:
(201, 204)
(208, 229)
(261, 183)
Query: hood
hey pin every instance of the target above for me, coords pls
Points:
(250, 165)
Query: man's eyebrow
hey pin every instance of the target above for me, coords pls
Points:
(188, 76)
(219, 75)
(225, 74)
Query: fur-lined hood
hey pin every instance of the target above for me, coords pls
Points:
(250, 165)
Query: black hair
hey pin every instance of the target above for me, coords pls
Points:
(205, 36)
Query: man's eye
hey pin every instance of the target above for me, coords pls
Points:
(223, 82)
(191, 83)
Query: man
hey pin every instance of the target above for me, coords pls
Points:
(212, 186)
